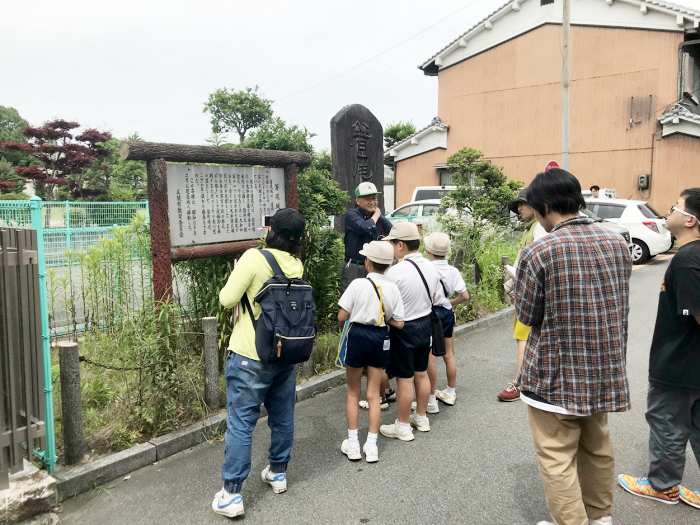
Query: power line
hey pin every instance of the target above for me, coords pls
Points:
(380, 54)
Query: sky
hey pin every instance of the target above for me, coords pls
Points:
(148, 66)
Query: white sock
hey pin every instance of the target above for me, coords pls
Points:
(450, 390)
(352, 438)
(419, 418)
(371, 440)
(402, 426)
(432, 400)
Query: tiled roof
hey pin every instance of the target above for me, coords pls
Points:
(435, 122)
(467, 31)
(667, 5)
(678, 110)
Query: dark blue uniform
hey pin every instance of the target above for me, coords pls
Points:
(359, 230)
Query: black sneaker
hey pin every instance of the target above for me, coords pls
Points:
(391, 395)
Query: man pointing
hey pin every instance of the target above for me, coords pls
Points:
(363, 224)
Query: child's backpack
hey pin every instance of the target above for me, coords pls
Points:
(285, 330)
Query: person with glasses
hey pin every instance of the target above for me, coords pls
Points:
(673, 399)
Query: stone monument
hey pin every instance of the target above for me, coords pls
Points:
(357, 144)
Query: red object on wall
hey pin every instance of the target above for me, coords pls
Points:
(551, 165)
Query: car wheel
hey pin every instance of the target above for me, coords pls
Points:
(639, 252)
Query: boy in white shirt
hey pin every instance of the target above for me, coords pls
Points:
(370, 305)
(417, 281)
(438, 246)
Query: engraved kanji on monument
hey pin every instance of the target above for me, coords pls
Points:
(357, 143)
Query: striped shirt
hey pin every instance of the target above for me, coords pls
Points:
(572, 288)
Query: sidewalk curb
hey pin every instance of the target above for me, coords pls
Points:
(73, 481)
(484, 321)
(85, 477)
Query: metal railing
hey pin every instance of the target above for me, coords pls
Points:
(22, 416)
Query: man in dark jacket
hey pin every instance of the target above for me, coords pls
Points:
(363, 224)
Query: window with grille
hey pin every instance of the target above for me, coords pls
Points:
(689, 81)
(445, 177)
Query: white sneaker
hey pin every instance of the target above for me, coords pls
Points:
(607, 520)
(350, 452)
(393, 431)
(423, 425)
(371, 453)
(278, 482)
(446, 397)
(432, 409)
(545, 523)
(229, 505)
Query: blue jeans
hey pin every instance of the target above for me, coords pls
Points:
(249, 383)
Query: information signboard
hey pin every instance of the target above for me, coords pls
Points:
(216, 204)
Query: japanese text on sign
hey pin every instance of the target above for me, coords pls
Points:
(211, 204)
(360, 137)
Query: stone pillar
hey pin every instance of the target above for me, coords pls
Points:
(211, 363)
(71, 402)
(357, 147)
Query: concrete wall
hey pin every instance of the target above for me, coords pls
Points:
(506, 102)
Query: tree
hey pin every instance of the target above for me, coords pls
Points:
(274, 134)
(322, 161)
(238, 111)
(10, 182)
(11, 127)
(480, 202)
(397, 132)
(65, 160)
(128, 180)
(219, 139)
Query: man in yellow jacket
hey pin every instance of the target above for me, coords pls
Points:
(250, 382)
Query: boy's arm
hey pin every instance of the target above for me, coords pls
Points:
(461, 298)
(346, 303)
(343, 315)
(395, 324)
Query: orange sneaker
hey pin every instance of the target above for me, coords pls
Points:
(641, 487)
(689, 497)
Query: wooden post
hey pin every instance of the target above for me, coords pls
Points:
(160, 230)
(291, 195)
(211, 363)
(505, 261)
(71, 403)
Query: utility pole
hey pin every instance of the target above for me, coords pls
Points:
(565, 84)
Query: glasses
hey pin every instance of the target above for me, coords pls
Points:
(673, 208)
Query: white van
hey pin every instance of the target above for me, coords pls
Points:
(423, 193)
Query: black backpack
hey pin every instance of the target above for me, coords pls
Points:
(285, 330)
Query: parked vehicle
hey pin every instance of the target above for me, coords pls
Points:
(647, 228)
(422, 193)
(417, 212)
(610, 194)
(613, 227)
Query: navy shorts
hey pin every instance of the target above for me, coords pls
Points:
(448, 320)
(410, 348)
(367, 346)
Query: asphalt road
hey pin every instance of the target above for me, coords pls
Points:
(475, 466)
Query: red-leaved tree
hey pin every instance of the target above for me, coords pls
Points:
(65, 159)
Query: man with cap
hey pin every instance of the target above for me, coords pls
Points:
(250, 382)
(533, 231)
(410, 347)
(371, 305)
(363, 224)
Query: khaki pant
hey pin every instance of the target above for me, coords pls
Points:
(577, 465)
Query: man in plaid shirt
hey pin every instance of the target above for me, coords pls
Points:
(572, 288)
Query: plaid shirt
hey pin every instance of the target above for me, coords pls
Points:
(572, 288)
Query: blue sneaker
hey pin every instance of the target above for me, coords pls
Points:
(278, 482)
(229, 505)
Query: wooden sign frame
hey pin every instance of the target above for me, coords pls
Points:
(156, 155)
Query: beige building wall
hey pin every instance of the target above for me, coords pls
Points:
(506, 102)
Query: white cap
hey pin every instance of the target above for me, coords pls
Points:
(379, 252)
(366, 188)
(403, 231)
(438, 243)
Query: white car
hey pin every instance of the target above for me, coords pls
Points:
(418, 211)
(647, 228)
